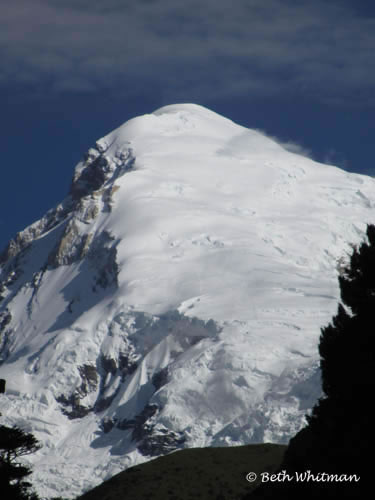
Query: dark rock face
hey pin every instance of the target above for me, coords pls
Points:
(107, 425)
(123, 366)
(151, 440)
(72, 406)
(96, 169)
(102, 258)
(11, 274)
(109, 365)
(161, 442)
(5, 319)
(92, 380)
(89, 377)
(127, 365)
(138, 422)
(160, 378)
(91, 177)
(5, 334)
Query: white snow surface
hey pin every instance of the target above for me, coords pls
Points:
(196, 219)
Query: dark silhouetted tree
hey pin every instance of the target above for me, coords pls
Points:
(339, 438)
(14, 444)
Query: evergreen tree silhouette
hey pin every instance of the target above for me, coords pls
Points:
(339, 438)
(15, 443)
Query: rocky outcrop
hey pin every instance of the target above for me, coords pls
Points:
(97, 169)
(72, 407)
(71, 404)
(90, 175)
(5, 334)
(89, 377)
(89, 183)
(152, 440)
(24, 238)
(102, 259)
(120, 368)
(72, 246)
(160, 441)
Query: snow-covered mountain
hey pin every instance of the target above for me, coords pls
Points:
(175, 297)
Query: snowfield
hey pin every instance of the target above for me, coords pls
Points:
(174, 298)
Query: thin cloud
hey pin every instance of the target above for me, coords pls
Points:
(334, 157)
(297, 148)
(191, 48)
(291, 146)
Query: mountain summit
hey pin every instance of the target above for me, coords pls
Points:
(175, 297)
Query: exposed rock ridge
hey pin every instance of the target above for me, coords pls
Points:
(96, 169)
(93, 182)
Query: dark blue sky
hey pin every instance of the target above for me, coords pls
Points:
(72, 71)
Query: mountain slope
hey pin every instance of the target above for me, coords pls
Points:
(175, 297)
(205, 473)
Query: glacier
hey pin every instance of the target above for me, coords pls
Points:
(174, 298)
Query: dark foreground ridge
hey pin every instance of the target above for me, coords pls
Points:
(193, 474)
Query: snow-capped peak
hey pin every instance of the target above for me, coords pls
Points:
(175, 297)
